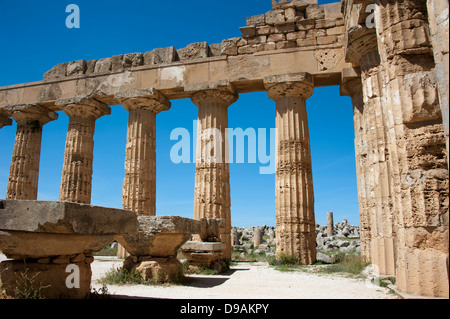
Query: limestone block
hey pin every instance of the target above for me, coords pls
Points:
(103, 65)
(58, 72)
(230, 46)
(76, 67)
(216, 49)
(211, 229)
(160, 55)
(159, 236)
(285, 27)
(248, 49)
(257, 20)
(315, 11)
(248, 31)
(305, 24)
(264, 30)
(34, 229)
(203, 254)
(47, 278)
(197, 50)
(275, 16)
(90, 66)
(159, 270)
(132, 60)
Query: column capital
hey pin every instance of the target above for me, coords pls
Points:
(361, 40)
(225, 95)
(351, 87)
(83, 106)
(289, 85)
(24, 113)
(4, 118)
(145, 99)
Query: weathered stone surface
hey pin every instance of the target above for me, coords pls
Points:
(47, 278)
(198, 50)
(24, 169)
(159, 236)
(156, 269)
(35, 229)
(159, 56)
(203, 254)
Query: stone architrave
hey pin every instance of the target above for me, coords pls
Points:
(24, 169)
(139, 185)
(295, 221)
(212, 177)
(417, 147)
(76, 180)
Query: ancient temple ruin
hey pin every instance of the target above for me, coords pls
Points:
(389, 56)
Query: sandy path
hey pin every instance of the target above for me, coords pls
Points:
(251, 281)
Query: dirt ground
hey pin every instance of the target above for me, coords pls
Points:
(249, 281)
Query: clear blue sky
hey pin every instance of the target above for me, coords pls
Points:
(35, 38)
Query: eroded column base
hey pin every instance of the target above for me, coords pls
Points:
(204, 254)
(157, 269)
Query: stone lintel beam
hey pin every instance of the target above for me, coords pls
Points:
(139, 185)
(77, 168)
(294, 207)
(24, 169)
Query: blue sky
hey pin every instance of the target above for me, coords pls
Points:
(35, 38)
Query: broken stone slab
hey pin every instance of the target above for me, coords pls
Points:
(153, 248)
(50, 240)
(159, 236)
(203, 254)
(36, 229)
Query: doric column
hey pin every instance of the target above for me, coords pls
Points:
(295, 222)
(362, 52)
(76, 180)
(417, 147)
(139, 185)
(353, 89)
(212, 176)
(24, 170)
(438, 22)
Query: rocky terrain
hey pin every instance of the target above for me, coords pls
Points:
(260, 240)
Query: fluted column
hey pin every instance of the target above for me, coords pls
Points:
(76, 180)
(362, 51)
(24, 170)
(353, 89)
(139, 185)
(295, 221)
(417, 147)
(212, 176)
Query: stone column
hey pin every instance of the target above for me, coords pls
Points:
(438, 22)
(212, 177)
(353, 88)
(295, 222)
(330, 224)
(139, 185)
(76, 180)
(417, 147)
(24, 170)
(362, 51)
